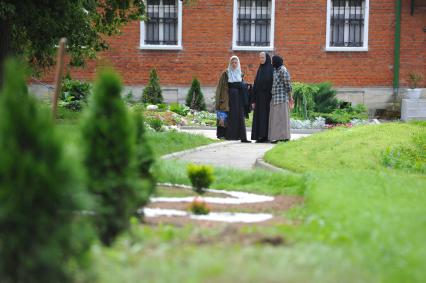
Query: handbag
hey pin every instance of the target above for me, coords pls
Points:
(222, 117)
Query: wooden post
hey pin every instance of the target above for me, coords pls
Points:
(58, 75)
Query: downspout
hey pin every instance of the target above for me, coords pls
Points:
(397, 50)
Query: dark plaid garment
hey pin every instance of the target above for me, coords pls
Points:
(281, 86)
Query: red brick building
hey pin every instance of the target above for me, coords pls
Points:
(350, 43)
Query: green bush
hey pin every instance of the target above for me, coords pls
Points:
(179, 109)
(195, 97)
(144, 156)
(408, 158)
(325, 98)
(156, 124)
(303, 95)
(74, 94)
(152, 92)
(42, 239)
(345, 115)
(162, 106)
(109, 157)
(201, 176)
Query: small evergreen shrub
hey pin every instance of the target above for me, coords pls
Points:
(201, 176)
(325, 98)
(74, 94)
(152, 92)
(199, 207)
(109, 157)
(41, 235)
(195, 97)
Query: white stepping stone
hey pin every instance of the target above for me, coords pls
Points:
(212, 216)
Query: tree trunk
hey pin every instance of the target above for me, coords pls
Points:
(5, 44)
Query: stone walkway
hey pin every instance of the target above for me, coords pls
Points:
(229, 154)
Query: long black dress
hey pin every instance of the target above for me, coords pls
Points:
(262, 98)
(236, 128)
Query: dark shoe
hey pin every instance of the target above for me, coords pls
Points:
(274, 141)
(262, 140)
(245, 141)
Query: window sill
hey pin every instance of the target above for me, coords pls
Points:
(346, 49)
(252, 48)
(160, 47)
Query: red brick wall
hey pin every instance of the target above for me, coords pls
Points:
(300, 30)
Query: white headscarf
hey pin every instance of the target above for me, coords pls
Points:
(234, 75)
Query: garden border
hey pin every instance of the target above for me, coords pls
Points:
(262, 164)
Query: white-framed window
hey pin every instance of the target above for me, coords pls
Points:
(163, 29)
(253, 25)
(347, 25)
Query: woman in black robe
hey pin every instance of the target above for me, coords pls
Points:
(236, 128)
(262, 98)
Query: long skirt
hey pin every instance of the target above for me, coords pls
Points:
(279, 122)
(259, 130)
(236, 127)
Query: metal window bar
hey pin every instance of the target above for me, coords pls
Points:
(347, 23)
(254, 22)
(162, 24)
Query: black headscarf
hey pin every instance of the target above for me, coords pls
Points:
(264, 75)
(277, 61)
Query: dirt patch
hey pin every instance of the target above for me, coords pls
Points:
(276, 207)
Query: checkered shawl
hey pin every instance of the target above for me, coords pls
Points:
(281, 86)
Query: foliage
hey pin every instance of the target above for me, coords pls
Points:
(144, 155)
(199, 207)
(180, 109)
(129, 98)
(408, 157)
(109, 157)
(303, 95)
(325, 98)
(201, 176)
(42, 238)
(156, 124)
(85, 24)
(74, 94)
(152, 92)
(345, 115)
(195, 97)
(162, 106)
(414, 79)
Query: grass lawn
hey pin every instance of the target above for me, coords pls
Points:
(360, 222)
(357, 148)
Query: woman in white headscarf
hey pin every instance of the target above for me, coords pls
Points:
(229, 100)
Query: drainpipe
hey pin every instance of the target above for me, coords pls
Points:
(397, 49)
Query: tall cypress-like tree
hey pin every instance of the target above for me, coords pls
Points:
(109, 139)
(195, 97)
(152, 92)
(40, 191)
